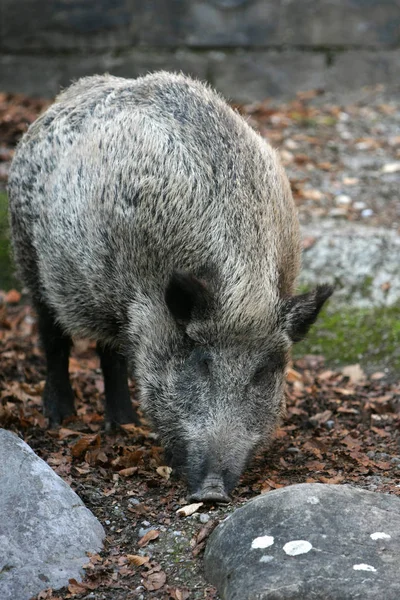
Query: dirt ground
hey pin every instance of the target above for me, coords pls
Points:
(341, 427)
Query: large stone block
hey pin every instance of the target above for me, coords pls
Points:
(355, 69)
(68, 25)
(247, 76)
(45, 529)
(325, 542)
(341, 23)
(108, 24)
(45, 75)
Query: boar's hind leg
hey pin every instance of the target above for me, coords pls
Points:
(58, 397)
(119, 407)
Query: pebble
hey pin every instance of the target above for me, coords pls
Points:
(204, 518)
(359, 205)
(371, 454)
(330, 424)
(143, 531)
(367, 212)
(343, 199)
(134, 501)
(291, 144)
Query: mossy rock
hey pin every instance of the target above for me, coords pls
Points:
(370, 337)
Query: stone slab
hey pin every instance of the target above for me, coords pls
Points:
(45, 529)
(358, 260)
(325, 542)
(108, 24)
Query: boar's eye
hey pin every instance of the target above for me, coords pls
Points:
(205, 366)
(261, 374)
(274, 364)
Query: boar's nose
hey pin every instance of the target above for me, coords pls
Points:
(212, 489)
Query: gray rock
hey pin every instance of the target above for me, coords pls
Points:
(325, 542)
(359, 261)
(45, 529)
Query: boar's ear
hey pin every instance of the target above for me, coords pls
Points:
(187, 296)
(302, 311)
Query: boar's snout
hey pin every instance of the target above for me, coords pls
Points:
(212, 489)
(214, 467)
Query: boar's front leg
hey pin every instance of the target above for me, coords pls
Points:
(58, 397)
(119, 408)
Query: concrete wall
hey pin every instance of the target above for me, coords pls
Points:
(249, 49)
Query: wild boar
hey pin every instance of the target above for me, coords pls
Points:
(147, 215)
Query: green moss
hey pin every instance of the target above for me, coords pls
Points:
(7, 278)
(346, 336)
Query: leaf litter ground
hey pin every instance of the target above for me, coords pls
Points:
(341, 427)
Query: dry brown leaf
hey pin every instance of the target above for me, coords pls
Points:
(74, 587)
(311, 194)
(322, 417)
(137, 559)
(332, 480)
(378, 375)
(164, 472)
(13, 297)
(308, 242)
(155, 581)
(293, 375)
(83, 444)
(354, 373)
(128, 472)
(148, 537)
(64, 433)
(189, 509)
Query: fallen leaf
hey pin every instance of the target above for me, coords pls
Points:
(137, 559)
(321, 418)
(83, 444)
(189, 509)
(311, 194)
(308, 242)
(12, 297)
(64, 433)
(378, 375)
(78, 588)
(164, 472)
(354, 373)
(128, 472)
(148, 537)
(155, 581)
(293, 375)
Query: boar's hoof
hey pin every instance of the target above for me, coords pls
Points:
(212, 490)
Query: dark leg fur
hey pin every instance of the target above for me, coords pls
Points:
(119, 408)
(58, 397)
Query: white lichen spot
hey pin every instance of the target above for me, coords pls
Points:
(312, 500)
(297, 547)
(262, 542)
(266, 558)
(363, 567)
(380, 535)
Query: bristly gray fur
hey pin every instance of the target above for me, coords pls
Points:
(121, 183)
